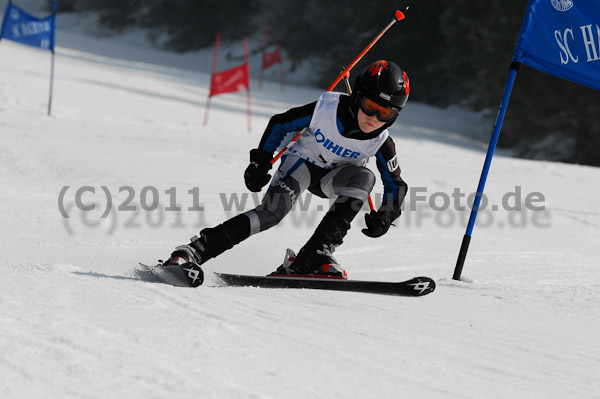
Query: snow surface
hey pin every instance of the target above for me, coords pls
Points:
(77, 322)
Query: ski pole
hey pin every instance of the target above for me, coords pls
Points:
(288, 145)
(399, 15)
(347, 82)
(345, 73)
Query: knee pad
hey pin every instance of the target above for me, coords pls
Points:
(362, 178)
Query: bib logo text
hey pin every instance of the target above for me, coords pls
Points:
(334, 148)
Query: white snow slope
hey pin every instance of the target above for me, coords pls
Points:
(77, 322)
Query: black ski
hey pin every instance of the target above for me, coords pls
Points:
(417, 286)
(185, 275)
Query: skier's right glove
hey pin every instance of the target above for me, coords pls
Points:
(257, 174)
(379, 222)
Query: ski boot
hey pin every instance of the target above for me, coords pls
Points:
(315, 259)
(185, 261)
(305, 266)
(184, 264)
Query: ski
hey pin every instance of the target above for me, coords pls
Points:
(185, 275)
(190, 275)
(417, 286)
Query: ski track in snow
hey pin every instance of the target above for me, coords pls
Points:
(77, 321)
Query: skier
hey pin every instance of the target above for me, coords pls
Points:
(342, 132)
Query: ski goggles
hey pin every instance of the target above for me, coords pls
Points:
(370, 108)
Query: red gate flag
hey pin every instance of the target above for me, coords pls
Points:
(230, 80)
(270, 59)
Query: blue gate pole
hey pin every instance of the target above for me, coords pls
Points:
(54, 7)
(462, 255)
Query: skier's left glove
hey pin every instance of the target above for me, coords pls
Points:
(257, 174)
(379, 222)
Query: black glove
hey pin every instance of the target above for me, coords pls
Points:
(257, 174)
(379, 222)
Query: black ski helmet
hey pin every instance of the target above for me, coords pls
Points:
(383, 82)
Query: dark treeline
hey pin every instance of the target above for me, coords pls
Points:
(456, 52)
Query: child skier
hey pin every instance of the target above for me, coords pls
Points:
(342, 132)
